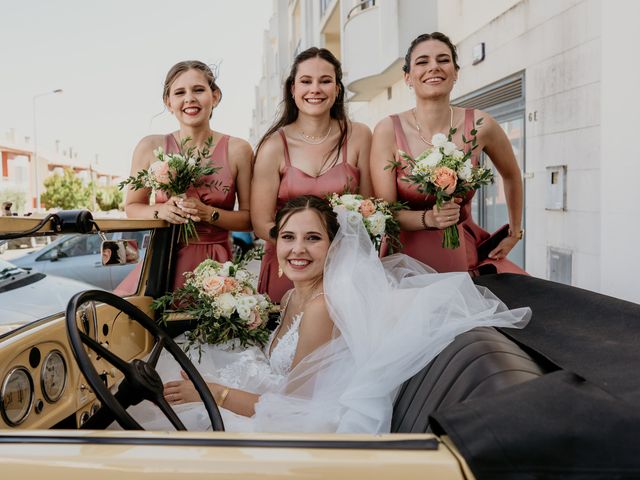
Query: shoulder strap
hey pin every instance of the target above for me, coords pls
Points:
(401, 139)
(287, 159)
(170, 143)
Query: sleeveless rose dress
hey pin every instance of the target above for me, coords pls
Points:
(426, 245)
(213, 242)
(341, 178)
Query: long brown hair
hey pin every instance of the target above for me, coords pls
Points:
(289, 110)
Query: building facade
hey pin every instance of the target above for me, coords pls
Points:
(556, 74)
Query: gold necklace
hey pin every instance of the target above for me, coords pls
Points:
(415, 118)
(312, 139)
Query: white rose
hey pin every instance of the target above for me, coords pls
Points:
(244, 312)
(449, 148)
(243, 276)
(433, 158)
(262, 301)
(458, 154)
(439, 140)
(227, 304)
(464, 172)
(248, 301)
(351, 202)
(224, 270)
(377, 223)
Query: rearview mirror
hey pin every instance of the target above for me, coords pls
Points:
(119, 252)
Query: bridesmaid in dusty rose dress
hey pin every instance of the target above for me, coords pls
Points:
(431, 69)
(191, 94)
(312, 149)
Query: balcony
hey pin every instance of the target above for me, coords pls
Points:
(376, 37)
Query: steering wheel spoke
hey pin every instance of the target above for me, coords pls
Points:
(141, 380)
(111, 357)
(169, 413)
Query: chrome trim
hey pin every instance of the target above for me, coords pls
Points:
(64, 385)
(2, 392)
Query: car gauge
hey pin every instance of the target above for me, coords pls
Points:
(53, 376)
(16, 395)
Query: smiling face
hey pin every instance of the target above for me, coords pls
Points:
(315, 88)
(302, 245)
(432, 71)
(191, 99)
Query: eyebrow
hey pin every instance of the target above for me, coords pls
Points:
(437, 56)
(321, 76)
(313, 232)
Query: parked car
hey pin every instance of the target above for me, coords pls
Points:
(78, 256)
(26, 296)
(559, 399)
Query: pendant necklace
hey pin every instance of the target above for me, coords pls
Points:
(415, 118)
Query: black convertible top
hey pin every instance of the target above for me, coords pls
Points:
(581, 420)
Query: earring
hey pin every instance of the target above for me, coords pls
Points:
(280, 272)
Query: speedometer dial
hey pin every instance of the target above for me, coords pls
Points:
(16, 395)
(53, 376)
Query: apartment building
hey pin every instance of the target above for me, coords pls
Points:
(558, 75)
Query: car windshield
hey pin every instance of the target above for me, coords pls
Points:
(38, 275)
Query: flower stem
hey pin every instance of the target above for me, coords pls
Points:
(450, 237)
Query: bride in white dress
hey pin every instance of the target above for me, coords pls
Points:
(352, 330)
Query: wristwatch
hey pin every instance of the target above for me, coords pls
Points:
(215, 214)
(519, 234)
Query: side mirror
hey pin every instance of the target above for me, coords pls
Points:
(119, 252)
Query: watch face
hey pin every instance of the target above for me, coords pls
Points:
(214, 215)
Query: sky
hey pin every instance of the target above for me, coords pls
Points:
(110, 58)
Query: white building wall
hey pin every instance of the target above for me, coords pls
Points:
(620, 195)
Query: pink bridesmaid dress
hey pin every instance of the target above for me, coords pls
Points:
(426, 245)
(341, 178)
(212, 242)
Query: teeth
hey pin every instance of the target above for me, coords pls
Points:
(191, 110)
(299, 263)
(314, 100)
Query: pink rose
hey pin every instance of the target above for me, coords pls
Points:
(445, 179)
(213, 285)
(160, 171)
(367, 208)
(254, 320)
(230, 284)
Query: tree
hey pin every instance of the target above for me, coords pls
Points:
(66, 191)
(109, 198)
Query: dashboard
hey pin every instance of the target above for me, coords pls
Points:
(41, 385)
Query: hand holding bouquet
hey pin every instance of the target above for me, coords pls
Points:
(223, 300)
(445, 172)
(175, 173)
(377, 216)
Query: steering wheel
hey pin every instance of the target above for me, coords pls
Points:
(141, 380)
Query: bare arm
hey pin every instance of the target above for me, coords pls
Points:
(383, 152)
(240, 155)
(265, 185)
(362, 138)
(498, 147)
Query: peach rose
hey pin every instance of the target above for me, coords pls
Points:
(213, 285)
(230, 284)
(160, 171)
(254, 320)
(446, 179)
(367, 208)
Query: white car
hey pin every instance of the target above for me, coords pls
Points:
(26, 295)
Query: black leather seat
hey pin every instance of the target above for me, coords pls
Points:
(477, 363)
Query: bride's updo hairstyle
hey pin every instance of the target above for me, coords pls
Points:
(441, 37)
(307, 202)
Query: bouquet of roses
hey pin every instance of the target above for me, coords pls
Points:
(377, 216)
(223, 300)
(445, 172)
(175, 173)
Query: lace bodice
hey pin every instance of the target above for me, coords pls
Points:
(282, 354)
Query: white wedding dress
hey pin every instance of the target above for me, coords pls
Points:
(391, 317)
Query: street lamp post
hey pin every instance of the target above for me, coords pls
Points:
(35, 142)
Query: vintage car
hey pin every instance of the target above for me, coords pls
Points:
(559, 399)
